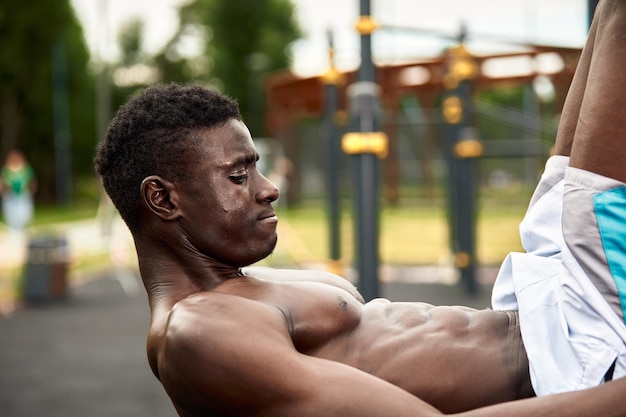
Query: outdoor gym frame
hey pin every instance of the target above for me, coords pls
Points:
(454, 78)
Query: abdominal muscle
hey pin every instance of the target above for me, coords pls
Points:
(454, 358)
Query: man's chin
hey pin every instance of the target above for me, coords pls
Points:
(271, 245)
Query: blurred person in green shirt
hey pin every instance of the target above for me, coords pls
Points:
(17, 184)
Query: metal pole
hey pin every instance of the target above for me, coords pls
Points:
(465, 258)
(61, 116)
(462, 149)
(365, 169)
(366, 70)
(333, 151)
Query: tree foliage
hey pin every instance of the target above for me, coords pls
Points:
(243, 41)
(44, 54)
(38, 39)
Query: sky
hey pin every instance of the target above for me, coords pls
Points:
(550, 22)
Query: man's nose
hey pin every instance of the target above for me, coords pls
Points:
(267, 191)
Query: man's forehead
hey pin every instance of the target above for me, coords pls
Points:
(229, 145)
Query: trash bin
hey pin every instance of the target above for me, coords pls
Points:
(46, 269)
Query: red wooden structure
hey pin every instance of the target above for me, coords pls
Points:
(291, 98)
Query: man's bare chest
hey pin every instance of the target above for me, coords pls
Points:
(315, 313)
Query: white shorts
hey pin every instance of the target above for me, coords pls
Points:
(570, 285)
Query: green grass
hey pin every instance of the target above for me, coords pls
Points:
(84, 205)
(412, 233)
(49, 214)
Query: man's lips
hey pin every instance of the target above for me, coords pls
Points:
(268, 217)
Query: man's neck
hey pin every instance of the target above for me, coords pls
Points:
(171, 274)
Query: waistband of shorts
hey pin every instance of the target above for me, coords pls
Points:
(557, 162)
(590, 180)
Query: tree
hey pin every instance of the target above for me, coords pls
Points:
(133, 71)
(243, 41)
(43, 51)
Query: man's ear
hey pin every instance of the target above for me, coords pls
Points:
(159, 196)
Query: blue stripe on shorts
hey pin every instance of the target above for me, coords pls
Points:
(610, 208)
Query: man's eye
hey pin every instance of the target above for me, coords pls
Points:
(238, 179)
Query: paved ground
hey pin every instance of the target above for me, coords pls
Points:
(85, 356)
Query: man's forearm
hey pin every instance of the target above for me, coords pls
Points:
(607, 400)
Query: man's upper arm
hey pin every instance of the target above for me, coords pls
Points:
(214, 351)
(225, 355)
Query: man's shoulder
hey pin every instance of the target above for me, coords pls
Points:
(206, 341)
(205, 321)
(207, 309)
(302, 275)
(190, 320)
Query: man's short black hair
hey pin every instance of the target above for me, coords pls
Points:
(154, 133)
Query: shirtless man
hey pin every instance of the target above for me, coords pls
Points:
(180, 166)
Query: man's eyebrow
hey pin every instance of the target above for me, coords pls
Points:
(242, 160)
